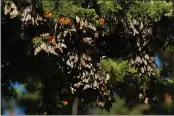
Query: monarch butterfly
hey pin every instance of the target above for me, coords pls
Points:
(64, 102)
(47, 14)
(102, 20)
(53, 40)
(64, 20)
(50, 37)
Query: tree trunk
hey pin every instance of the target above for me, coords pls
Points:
(75, 106)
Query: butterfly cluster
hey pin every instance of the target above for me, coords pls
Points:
(64, 20)
(74, 41)
(143, 57)
(29, 16)
(83, 63)
(11, 10)
(52, 47)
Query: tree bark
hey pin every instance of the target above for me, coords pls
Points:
(75, 106)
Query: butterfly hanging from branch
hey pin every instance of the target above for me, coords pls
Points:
(64, 20)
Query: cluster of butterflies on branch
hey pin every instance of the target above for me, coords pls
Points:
(85, 60)
(75, 39)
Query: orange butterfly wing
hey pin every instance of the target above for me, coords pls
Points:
(47, 14)
(64, 20)
(53, 40)
(61, 20)
(64, 102)
(67, 21)
(102, 20)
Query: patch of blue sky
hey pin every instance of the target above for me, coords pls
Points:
(18, 86)
(158, 61)
(17, 111)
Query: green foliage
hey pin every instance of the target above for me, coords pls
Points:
(118, 68)
(152, 9)
(37, 41)
(69, 8)
(49, 5)
(30, 96)
(167, 57)
(108, 7)
(119, 108)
